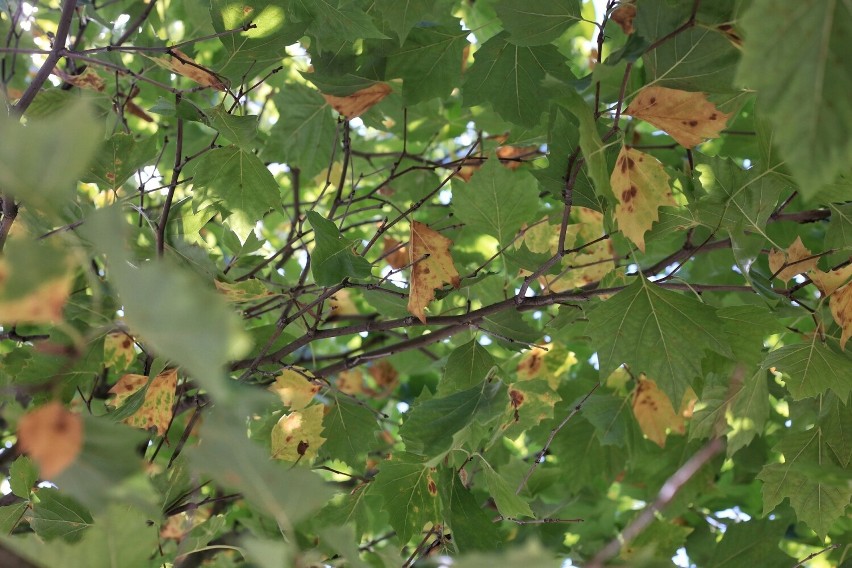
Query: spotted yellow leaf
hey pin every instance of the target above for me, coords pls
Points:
(795, 260)
(841, 310)
(295, 388)
(298, 435)
(432, 267)
(654, 411)
(118, 350)
(828, 282)
(156, 409)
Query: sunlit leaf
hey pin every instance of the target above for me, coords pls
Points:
(431, 267)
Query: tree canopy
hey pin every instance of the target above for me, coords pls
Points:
(425, 282)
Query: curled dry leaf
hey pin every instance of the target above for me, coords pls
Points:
(88, 79)
(182, 64)
(432, 267)
(641, 185)
(623, 16)
(396, 255)
(795, 260)
(841, 310)
(156, 409)
(828, 282)
(687, 117)
(359, 102)
(294, 387)
(52, 436)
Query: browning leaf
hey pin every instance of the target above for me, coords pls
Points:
(182, 64)
(654, 412)
(118, 350)
(841, 310)
(359, 102)
(828, 282)
(509, 155)
(156, 410)
(795, 260)
(432, 267)
(623, 16)
(298, 435)
(641, 185)
(395, 254)
(44, 304)
(687, 117)
(52, 436)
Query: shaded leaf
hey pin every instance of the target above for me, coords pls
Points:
(333, 258)
(52, 436)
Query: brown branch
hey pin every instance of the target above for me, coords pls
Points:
(815, 554)
(164, 218)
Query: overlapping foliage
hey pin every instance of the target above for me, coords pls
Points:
(378, 283)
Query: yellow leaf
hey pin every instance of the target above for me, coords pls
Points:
(795, 260)
(641, 185)
(350, 382)
(88, 79)
(432, 267)
(359, 102)
(342, 305)
(294, 387)
(43, 304)
(298, 435)
(687, 117)
(182, 64)
(828, 282)
(52, 436)
(118, 350)
(550, 362)
(654, 412)
(841, 310)
(156, 409)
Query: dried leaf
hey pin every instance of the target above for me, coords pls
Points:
(52, 436)
(298, 435)
(641, 185)
(466, 171)
(43, 304)
(88, 79)
(386, 377)
(156, 409)
(687, 117)
(245, 291)
(182, 64)
(359, 102)
(654, 412)
(841, 310)
(828, 282)
(118, 350)
(509, 155)
(350, 382)
(395, 254)
(623, 16)
(295, 388)
(432, 267)
(795, 260)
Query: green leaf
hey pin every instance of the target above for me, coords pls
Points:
(41, 162)
(118, 159)
(812, 368)
(508, 502)
(467, 366)
(305, 132)
(590, 141)
(330, 19)
(57, 515)
(799, 82)
(11, 515)
(752, 543)
(22, 476)
(496, 201)
(241, 130)
(836, 426)
(536, 22)
(816, 502)
(509, 77)
(839, 233)
(510, 330)
(657, 332)
(333, 258)
(612, 417)
(410, 494)
(350, 431)
(239, 179)
(431, 425)
(402, 15)
(429, 63)
(472, 528)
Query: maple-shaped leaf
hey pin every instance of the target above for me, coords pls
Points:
(182, 64)
(118, 350)
(467, 366)
(841, 310)
(431, 267)
(641, 185)
(410, 493)
(654, 412)
(156, 410)
(687, 117)
(52, 436)
(658, 332)
(795, 260)
(812, 368)
(350, 429)
(298, 435)
(359, 102)
(295, 388)
(828, 282)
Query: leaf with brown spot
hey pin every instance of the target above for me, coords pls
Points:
(359, 102)
(795, 260)
(52, 436)
(841, 310)
(295, 388)
(641, 185)
(687, 117)
(654, 412)
(245, 291)
(828, 282)
(184, 65)
(510, 156)
(394, 253)
(88, 79)
(118, 350)
(623, 16)
(350, 382)
(156, 409)
(44, 304)
(342, 305)
(432, 267)
(298, 435)
(386, 377)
